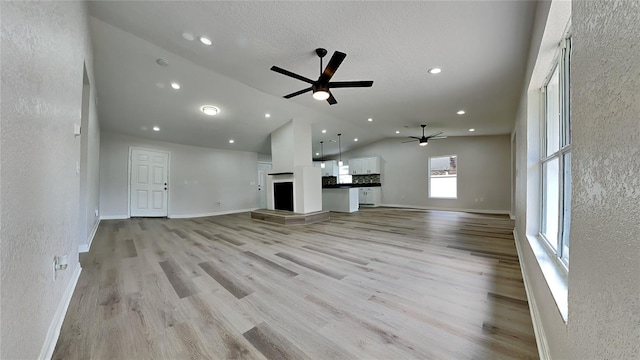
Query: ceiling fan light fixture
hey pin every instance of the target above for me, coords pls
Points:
(320, 94)
(424, 143)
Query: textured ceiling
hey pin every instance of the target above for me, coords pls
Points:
(481, 47)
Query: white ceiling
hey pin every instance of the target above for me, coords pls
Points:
(480, 45)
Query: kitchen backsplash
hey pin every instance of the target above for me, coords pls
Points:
(366, 179)
(329, 180)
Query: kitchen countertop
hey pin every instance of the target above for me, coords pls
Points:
(346, 186)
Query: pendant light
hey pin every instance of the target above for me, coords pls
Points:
(322, 154)
(339, 151)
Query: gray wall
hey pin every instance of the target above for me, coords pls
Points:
(483, 171)
(199, 177)
(44, 47)
(604, 274)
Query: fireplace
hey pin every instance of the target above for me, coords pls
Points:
(283, 196)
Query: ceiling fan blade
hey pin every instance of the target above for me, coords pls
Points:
(413, 137)
(409, 141)
(298, 93)
(435, 134)
(347, 84)
(437, 137)
(331, 100)
(332, 66)
(293, 75)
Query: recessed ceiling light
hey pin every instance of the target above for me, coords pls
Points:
(435, 71)
(472, 130)
(175, 86)
(205, 40)
(156, 128)
(231, 141)
(356, 139)
(188, 36)
(267, 115)
(324, 131)
(210, 110)
(397, 131)
(369, 119)
(461, 112)
(162, 62)
(317, 154)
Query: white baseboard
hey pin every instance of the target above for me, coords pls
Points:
(187, 216)
(114, 217)
(58, 318)
(85, 247)
(481, 211)
(541, 340)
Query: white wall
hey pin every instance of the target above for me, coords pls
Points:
(291, 145)
(604, 273)
(44, 47)
(199, 177)
(89, 168)
(483, 171)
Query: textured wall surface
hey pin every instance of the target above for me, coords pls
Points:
(604, 274)
(484, 175)
(44, 45)
(199, 177)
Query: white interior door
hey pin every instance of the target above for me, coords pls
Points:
(148, 183)
(263, 169)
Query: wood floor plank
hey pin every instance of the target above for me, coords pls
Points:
(273, 345)
(310, 265)
(238, 290)
(272, 265)
(177, 278)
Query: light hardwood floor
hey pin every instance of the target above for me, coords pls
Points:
(377, 284)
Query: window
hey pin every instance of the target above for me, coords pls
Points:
(443, 181)
(555, 161)
(343, 173)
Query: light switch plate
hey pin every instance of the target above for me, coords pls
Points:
(77, 129)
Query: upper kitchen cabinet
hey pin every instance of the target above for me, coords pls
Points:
(364, 166)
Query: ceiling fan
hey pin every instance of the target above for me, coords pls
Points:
(424, 140)
(321, 87)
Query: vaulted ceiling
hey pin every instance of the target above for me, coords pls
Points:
(481, 47)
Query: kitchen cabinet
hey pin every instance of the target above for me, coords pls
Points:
(330, 167)
(369, 196)
(364, 166)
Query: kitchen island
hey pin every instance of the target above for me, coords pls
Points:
(340, 198)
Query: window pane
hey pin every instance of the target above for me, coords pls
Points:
(566, 207)
(443, 181)
(566, 92)
(550, 200)
(552, 101)
(344, 177)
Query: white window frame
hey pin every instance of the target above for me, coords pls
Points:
(431, 196)
(562, 63)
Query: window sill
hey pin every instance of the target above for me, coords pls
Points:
(554, 272)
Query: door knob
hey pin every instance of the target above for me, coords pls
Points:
(165, 188)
